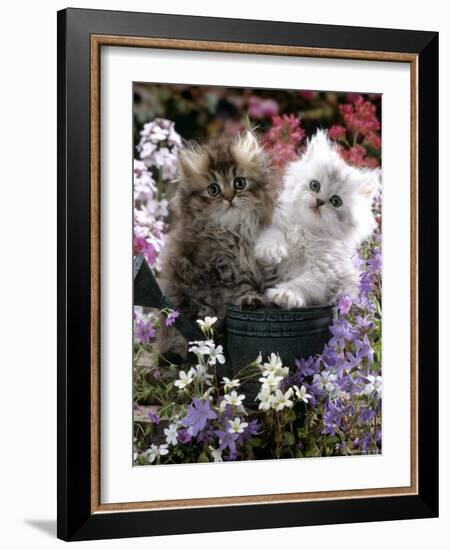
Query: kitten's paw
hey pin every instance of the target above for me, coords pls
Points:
(252, 301)
(285, 298)
(271, 252)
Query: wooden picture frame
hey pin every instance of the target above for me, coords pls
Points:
(81, 35)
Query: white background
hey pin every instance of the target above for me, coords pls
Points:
(120, 482)
(28, 307)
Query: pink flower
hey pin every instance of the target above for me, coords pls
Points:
(337, 132)
(360, 116)
(352, 97)
(308, 95)
(357, 155)
(233, 127)
(284, 138)
(373, 139)
(143, 246)
(260, 108)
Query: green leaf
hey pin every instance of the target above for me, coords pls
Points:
(203, 457)
(289, 439)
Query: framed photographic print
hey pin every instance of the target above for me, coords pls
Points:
(247, 253)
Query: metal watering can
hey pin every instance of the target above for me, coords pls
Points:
(292, 334)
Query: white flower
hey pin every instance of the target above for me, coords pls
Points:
(232, 399)
(154, 452)
(144, 184)
(200, 372)
(216, 454)
(275, 367)
(216, 354)
(325, 380)
(302, 394)
(272, 382)
(266, 398)
(341, 394)
(184, 379)
(375, 384)
(257, 362)
(236, 426)
(171, 434)
(282, 400)
(230, 384)
(163, 208)
(207, 394)
(207, 323)
(159, 146)
(201, 347)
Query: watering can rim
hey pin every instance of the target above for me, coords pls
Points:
(275, 310)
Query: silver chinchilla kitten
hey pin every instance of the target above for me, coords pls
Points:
(322, 215)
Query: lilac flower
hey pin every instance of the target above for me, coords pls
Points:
(172, 317)
(206, 435)
(199, 412)
(378, 436)
(154, 417)
(184, 436)
(365, 287)
(345, 383)
(332, 419)
(352, 361)
(316, 392)
(227, 440)
(366, 415)
(253, 428)
(364, 349)
(364, 442)
(308, 367)
(333, 359)
(145, 331)
(232, 455)
(375, 262)
(342, 332)
(345, 303)
(363, 323)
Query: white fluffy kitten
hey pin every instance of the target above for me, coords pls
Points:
(323, 214)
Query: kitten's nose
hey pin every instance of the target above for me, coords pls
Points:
(319, 202)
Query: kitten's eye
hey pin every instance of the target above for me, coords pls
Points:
(314, 185)
(213, 190)
(336, 201)
(240, 183)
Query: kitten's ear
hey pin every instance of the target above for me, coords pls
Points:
(192, 160)
(248, 145)
(370, 183)
(319, 145)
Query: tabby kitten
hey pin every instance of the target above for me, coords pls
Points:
(225, 197)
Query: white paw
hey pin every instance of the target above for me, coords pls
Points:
(285, 298)
(270, 252)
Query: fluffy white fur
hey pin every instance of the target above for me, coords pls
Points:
(312, 241)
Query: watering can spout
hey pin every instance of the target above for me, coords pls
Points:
(148, 293)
